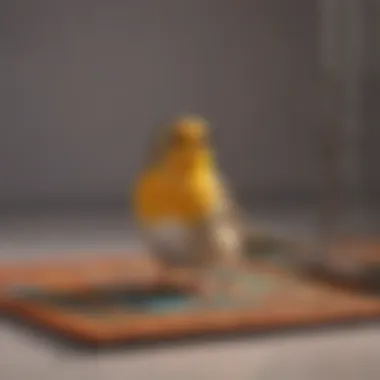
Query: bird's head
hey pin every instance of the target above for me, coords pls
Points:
(188, 142)
(189, 132)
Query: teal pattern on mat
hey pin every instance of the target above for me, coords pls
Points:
(162, 302)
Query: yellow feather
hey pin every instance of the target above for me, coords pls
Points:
(182, 186)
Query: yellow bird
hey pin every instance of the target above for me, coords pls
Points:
(180, 202)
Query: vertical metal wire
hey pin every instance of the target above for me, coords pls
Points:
(353, 117)
(330, 43)
(342, 38)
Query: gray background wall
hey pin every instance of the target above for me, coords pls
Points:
(373, 94)
(83, 83)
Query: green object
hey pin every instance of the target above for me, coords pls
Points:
(272, 249)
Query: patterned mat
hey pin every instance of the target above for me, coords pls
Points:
(116, 300)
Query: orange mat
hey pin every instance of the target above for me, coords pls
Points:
(117, 300)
